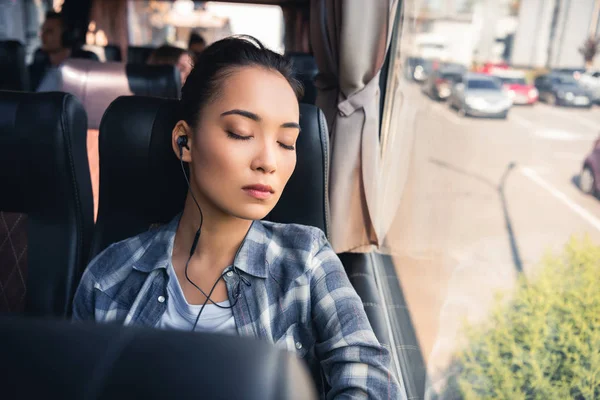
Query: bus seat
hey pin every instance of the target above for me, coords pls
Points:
(138, 54)
(98, 84)
(61, 360)
(306, 72)
(142, 183)
(13, 71)
(360, 270)
(82, 54)
(45, 202)
(113, 53)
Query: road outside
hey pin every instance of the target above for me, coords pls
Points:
(485, 199)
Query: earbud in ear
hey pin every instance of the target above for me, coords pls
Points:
(181, 143)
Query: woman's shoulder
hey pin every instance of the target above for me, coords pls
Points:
(122, 257)
(298, 250)
(295, 236)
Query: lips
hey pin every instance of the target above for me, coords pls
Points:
(258, 191)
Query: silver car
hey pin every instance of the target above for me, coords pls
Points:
(480, 95)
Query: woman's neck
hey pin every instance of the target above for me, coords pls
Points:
(220, 237)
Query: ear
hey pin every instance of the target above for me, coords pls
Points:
(182, 129)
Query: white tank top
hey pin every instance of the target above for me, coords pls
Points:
(181, 315)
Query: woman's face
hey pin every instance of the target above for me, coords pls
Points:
(242, 152)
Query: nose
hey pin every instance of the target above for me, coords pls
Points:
(266, 159)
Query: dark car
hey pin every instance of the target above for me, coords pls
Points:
(589, 178)
(439, 83)
(418, 68)
(574, 72)
(562, 90)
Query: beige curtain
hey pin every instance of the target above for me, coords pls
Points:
(350, 39)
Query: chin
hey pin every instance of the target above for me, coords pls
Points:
(251, 211)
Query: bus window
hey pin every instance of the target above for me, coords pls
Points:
(153, 23)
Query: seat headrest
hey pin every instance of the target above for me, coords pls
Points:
(98, 84)
(105, 362)
(141, 182)
(13, 72)
(44, 173)
(84, 55)
(113, 53)
(38, 132)
(138, 54)
(306, 71)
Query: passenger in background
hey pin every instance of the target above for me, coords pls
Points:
(54, 51)
(171, 55)
(197, 44)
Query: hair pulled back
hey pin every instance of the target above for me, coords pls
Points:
(220, 60)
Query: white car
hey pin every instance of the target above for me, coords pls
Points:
(590, 82)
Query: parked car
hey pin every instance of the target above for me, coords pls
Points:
(439, 83)
(418, 68)
(562, 90)
(590, 82)
(574, 72)
(589, 178)
(518, 89)
(480, 95)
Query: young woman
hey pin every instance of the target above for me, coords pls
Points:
(217, 266)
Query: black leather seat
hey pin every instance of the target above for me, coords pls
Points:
(45, 201)
(98, 84)
(13, 71)
(82, 54)
(306, 72)
(138, 54)
(60, 360)
(141, 181)
(113, 53)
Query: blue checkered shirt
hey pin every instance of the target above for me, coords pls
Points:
(299, 298)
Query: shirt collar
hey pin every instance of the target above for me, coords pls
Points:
(251, 258)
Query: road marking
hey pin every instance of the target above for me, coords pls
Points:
(576, 208)
(525, 123)
(568, 156)
(574, 117)
(558, 134)
(447, 113)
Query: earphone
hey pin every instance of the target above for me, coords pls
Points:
(182, 142)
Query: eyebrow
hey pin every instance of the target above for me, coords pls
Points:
(254, 117)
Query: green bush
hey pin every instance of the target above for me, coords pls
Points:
(544, 341)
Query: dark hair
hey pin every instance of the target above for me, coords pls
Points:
(218, 61)
(196, 38)
(55, 15)
(166, 54)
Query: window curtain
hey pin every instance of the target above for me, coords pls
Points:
(111, 17)
(350, 39)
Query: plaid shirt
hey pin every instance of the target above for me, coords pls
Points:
(299, 297)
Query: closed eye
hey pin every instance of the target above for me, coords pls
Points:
(237, 137)
(287, 147)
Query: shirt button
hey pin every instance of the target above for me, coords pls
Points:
(229, 274)
(298, 345)
(161, 299)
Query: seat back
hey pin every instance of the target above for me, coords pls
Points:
(306, 71)
(142, 184)
(45, 201)
(113, 53)
(86, 361)
(13, 71)
(138, 54)
(98, 84)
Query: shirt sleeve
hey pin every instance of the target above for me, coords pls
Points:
(355, 364)
(83, 302)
